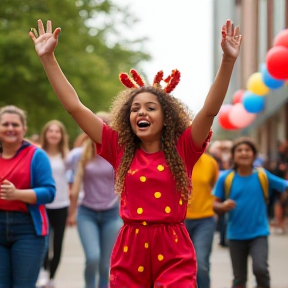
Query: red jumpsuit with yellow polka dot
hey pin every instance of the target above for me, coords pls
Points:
(153, 248)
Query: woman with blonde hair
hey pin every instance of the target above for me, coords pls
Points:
(54, 140)
(98, 218)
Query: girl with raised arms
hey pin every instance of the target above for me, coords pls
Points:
(153, 144)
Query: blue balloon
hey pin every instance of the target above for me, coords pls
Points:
(252, 102)
(268, 80)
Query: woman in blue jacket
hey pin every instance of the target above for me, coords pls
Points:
(26, 186)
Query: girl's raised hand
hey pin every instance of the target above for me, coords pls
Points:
(47, 41)
(231, 41)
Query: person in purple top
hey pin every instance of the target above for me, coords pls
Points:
(98, 218)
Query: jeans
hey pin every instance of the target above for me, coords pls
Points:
(201, 232)
(98, 231)
(21, 250)
(257, 248)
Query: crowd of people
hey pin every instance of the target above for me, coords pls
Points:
(127, 186)
(96, 213)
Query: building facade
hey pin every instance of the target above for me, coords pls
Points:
(260, 21)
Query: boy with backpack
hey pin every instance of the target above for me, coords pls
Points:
(243, 192)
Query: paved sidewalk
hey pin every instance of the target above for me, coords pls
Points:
(70, 272)
(221, 270)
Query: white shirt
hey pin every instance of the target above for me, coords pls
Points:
(61, 199)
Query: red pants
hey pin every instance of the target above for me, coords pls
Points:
(153, 256)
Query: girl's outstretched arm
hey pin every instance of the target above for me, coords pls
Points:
(231, 41)
(45, 46)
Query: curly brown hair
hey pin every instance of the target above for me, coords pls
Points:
(177, 119)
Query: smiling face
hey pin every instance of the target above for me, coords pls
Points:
(146, 117)
(12, 130)
(244, 155)
(53, 135)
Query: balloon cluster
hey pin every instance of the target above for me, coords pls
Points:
(247, 103)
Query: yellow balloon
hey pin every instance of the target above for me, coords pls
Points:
(256, 85)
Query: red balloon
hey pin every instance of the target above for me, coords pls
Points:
(277, 62)
(237, 96)
(223, 117)
(281, 39)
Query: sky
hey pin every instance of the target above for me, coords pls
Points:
(180, 37)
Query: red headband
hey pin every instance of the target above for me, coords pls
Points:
(136, 81)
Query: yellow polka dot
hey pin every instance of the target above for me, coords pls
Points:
(143, 179)
(160, 257)
(167, 209)
(140, 269)
(176, 240)
(140, 210)
(144, 223)
(180, 202)
(137, 231)
(146, 245)
(160, 168)
(125, 249)
(157, 194)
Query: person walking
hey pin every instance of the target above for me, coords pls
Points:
(73, 158)
(27, 185)
(243, 192)
(200, 220)
(97, 216)
(54, 140)
(279, 201)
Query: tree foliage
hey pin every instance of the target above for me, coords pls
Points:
(91, 51)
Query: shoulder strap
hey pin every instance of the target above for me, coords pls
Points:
(264, 183)
(228, 182)
(261, 176)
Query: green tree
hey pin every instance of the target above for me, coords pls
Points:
(91, 51)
